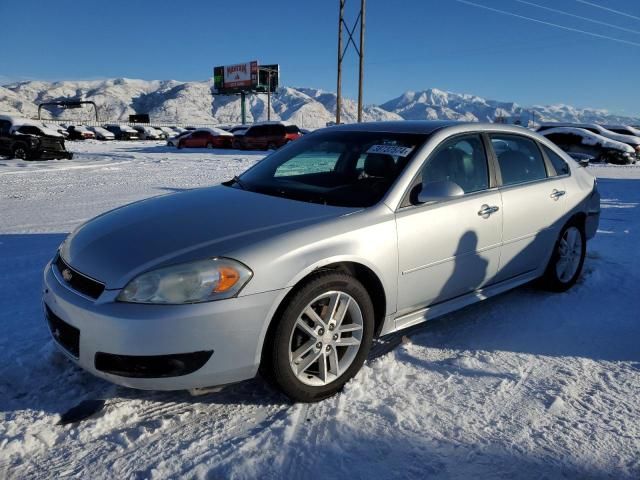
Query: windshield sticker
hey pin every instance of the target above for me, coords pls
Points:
(394, 150)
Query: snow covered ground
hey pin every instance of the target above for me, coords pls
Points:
(526, 385)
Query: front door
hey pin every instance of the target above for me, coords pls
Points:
(450, 248)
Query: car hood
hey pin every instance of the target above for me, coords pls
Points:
(118, 245)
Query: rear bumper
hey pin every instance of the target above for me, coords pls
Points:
(593, 214)
(160, 347)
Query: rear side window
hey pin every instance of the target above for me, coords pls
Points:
(519, 158)
(29, 130)
(5, 126)
(461, 160)
(556, 160)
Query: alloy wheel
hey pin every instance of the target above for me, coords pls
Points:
(326, 338)
(570, 254)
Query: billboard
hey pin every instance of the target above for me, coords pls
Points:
(245, 77)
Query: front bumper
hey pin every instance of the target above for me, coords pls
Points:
(55, 154)
(232, 329)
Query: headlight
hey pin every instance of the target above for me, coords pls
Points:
(194, 282)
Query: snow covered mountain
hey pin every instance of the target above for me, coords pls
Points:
(193, 102)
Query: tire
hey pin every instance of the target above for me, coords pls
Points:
(342, 346)
(21, 152)
(573, 241)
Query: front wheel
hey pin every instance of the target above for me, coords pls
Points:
(21, 152)
(567, 259)
(322, 337)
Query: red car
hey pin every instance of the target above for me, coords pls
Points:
(292, 132)
(264, 136)
(206, 138)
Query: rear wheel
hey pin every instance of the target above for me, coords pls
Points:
(566, 262)
(322, 337)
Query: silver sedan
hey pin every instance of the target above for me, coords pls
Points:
(293, 268)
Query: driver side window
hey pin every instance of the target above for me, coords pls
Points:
(461, 160)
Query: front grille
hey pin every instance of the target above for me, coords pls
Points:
(52, 144)
(66, 335)
(77, 281)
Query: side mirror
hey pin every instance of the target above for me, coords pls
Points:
(439, 191)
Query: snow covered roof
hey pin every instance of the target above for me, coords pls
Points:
(590, 138)
(18, 122)
(632, 130)
(630, 139)
(216, 132)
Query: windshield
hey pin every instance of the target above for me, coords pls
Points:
(351, 169)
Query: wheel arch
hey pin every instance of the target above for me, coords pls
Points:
(363, 273)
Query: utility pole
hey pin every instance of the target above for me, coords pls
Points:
(339, 88)
(243, 112)
(342, 51)
(361, 72)
(269, 96)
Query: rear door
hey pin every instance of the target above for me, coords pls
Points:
(533, 204)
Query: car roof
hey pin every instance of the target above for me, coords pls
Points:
(425, 126)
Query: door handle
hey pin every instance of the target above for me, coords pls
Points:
(556, 194)
(487, 210)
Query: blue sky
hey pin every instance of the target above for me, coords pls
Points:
(410, 45)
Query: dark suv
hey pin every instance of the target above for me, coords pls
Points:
(30, 141)
(268, 136)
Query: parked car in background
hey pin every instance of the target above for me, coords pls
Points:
(160, 133)
(631, 140)
(292, 132)
(30, 140)
(623, 129)
(168, 132)
(582, 158)
(146, 133)
(173, 141)
(293, 268)
(122, 132)
(58, 128)
(579, 140)
(262, 136)
(80, 132)
(102, 133)
(206, 138)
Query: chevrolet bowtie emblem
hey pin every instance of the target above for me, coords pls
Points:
(67, 275)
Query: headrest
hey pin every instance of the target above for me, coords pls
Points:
(379, 165)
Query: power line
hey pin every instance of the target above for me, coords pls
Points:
(543, 22)
(608, 9)
(562, 12)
